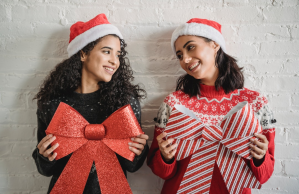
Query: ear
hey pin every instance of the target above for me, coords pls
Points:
(215, 46)
(83, 56)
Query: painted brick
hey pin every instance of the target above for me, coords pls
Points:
(290, 167)
(262, 34)
(287, 117)
(74, 13)
(280, 84)
(269, 48)
(293, 134)
(17, 133)
(129, 15)
(281, 14)
(40, 13)
(283, 151)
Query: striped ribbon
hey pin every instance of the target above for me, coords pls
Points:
(222, 145)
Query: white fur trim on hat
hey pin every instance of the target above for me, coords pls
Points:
(196, 29)
(91, 35)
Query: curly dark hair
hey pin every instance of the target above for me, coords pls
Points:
(230, 76)
(66, 78)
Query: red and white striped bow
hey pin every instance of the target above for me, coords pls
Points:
(223, 145)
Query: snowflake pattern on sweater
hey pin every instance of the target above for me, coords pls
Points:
(212, 111)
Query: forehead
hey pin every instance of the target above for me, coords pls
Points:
(182, 40)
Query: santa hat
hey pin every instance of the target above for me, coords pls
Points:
(200, 27)
(82, 33)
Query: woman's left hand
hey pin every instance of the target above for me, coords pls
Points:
(259, 147)
(138, 143)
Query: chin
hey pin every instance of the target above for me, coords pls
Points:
(107, 79)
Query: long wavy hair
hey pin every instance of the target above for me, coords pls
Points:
(230, 76)
(65, 78)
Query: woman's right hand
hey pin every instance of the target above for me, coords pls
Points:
(43, 147)
(167, 150)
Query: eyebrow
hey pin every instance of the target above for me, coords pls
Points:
(107, 47)
(186, 44)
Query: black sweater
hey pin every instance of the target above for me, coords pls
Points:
(90, 107)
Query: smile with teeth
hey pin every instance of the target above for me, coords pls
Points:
(193, 66)
(109, 69)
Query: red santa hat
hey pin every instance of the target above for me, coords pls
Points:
(200, 27)
(82, 33)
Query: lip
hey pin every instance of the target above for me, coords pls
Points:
(110, 72)
(194, 69)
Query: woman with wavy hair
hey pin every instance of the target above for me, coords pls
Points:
(96, 81)
(211, 89)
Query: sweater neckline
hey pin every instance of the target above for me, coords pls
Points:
(86, 98)
(211, 92)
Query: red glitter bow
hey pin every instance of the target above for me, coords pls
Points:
(223, 145)
(93, 143)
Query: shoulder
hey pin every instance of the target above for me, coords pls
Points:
(254, 98)
(176, 98)
(47, 109)
(166, 107)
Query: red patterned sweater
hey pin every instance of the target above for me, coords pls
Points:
(211, 107)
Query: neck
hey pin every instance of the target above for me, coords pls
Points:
(210, 80)
(88, 85)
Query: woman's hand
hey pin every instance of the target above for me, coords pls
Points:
(167, 150)
(43, 145)
(138, 143)
(259, 148)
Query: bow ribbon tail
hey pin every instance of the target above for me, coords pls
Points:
(235, 172)
(73, 177)
(110, 174)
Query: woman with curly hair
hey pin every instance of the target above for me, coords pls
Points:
(96, 81)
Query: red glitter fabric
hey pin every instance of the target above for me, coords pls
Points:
(223, 145)
(93, 143)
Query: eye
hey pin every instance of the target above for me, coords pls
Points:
(106, 52)
(190, 47)
(179, 56)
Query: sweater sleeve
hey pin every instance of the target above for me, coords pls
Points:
(154, 158)
(265, 170)
(138, 160)
(43, 164)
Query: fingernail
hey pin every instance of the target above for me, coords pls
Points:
(138, 135)
(132, 138)
(57, 144)
(130, 143)
(255, 133)
(50, 135)
(54, 137)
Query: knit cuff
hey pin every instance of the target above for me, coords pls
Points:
(165, 167)
(259, 170)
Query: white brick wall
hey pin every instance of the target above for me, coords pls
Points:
(262, 34)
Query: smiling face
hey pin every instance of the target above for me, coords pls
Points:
(197, 57)
(102, 61)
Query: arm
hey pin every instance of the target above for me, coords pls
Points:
(264, 167)
(155, 161)
(43, 164)
(139, 159)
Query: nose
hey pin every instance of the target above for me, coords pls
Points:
(186, 58)
(114, 59)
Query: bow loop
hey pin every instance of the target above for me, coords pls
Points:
(94, 131)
